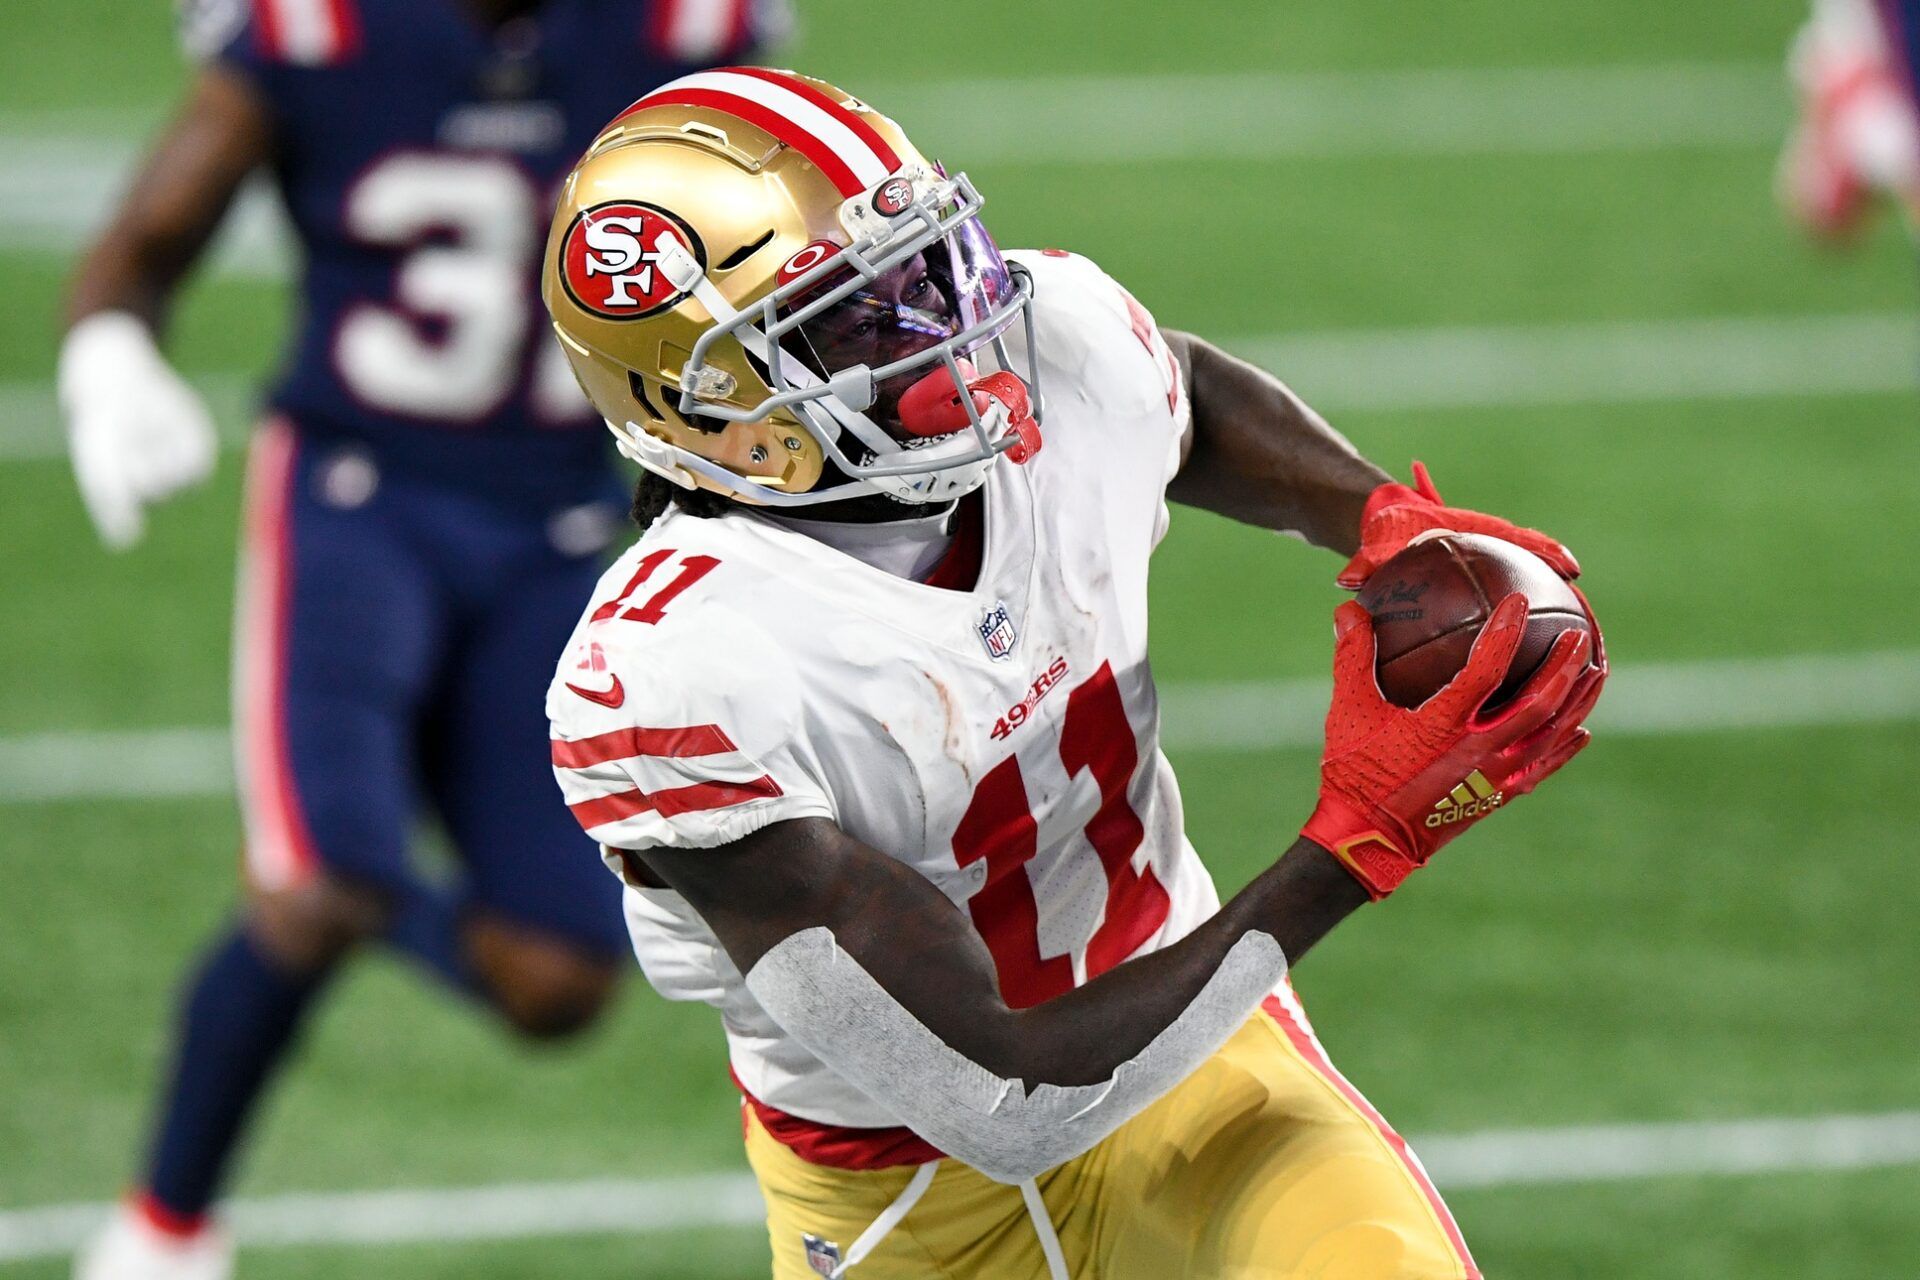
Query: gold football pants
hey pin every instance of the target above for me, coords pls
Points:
(1264, 1163)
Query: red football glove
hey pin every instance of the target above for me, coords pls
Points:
(1396, 784)
(1395, 515)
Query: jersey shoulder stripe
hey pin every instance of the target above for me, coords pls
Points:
(308, 33)
(698, 797)
(622, 744)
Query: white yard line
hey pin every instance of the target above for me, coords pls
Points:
(129, 764)
(1460, 1162)
(1270, 115)
(30, 414)
(1645, 699)
(60, 171)
(1387, 370)
(1642, 699)
(1604, 1153)
(1615, 362)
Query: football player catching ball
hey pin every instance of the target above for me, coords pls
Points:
(864, 719)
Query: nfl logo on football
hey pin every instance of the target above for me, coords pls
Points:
(822, 1255)
(997, 633)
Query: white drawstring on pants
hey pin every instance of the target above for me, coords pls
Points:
(891, 1216)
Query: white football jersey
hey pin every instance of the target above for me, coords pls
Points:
(1003, 742)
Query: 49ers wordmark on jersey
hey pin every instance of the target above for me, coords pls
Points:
(610, 259)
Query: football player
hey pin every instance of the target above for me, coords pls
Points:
(427, 502)
(864, 720)
(1856, 65)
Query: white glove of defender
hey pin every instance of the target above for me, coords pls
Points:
(138, 433)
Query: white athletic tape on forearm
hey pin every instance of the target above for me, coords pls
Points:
(830, 1004)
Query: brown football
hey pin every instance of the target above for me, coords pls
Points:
(1430, 601)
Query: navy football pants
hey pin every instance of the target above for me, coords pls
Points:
(393, 645)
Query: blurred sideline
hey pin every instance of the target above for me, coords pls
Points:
(1461, 1162)
(1643, 699)
(1385, 370)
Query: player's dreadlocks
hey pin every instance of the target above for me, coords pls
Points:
(653, 494)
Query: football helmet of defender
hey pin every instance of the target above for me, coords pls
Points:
(963, 985)
(428, 500)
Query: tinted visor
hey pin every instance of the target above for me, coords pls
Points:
(910, 308)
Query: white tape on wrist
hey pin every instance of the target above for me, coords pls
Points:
(830, 1004)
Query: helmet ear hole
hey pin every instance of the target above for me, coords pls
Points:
(637, 388)
(744, 252)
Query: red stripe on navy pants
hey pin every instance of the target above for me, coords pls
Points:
(279, 846)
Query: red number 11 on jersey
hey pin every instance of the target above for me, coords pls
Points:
(999, 828)
(692, 569)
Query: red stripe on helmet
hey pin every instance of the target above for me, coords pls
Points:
(753, 113)
(852, 119)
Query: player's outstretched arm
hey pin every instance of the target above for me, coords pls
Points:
(136, 431)
(924, 952)
(1256, 452)
(875, 971)
(222, 132)
(878, 973)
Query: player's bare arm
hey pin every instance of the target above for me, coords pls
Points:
(927, 954)
(222, 133)
(1258, 453)
(136, 431)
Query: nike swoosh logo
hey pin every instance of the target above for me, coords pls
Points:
(612, 696)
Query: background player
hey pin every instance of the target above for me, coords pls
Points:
(865, 719)
(1856, 65)
(426, 504)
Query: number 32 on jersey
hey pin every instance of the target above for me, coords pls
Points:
(451, 344)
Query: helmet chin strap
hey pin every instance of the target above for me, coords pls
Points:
(683, 270)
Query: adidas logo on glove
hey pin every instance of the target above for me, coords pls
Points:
(1472, 798)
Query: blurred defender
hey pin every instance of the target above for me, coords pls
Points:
(865, 723)
(1856, 65)
(426, 504)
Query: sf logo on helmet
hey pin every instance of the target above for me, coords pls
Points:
(610, 259)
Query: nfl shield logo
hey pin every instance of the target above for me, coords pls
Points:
(822, 1255)
(996, 632)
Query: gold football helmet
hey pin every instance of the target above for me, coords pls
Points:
(766, 290)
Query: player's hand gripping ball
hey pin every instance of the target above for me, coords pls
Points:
(1430, 602)
(1395, 515)
(1491, 696)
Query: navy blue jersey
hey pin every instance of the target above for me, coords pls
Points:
(1902, 19)
(419, 152)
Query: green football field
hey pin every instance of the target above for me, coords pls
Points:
(1531, 244)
